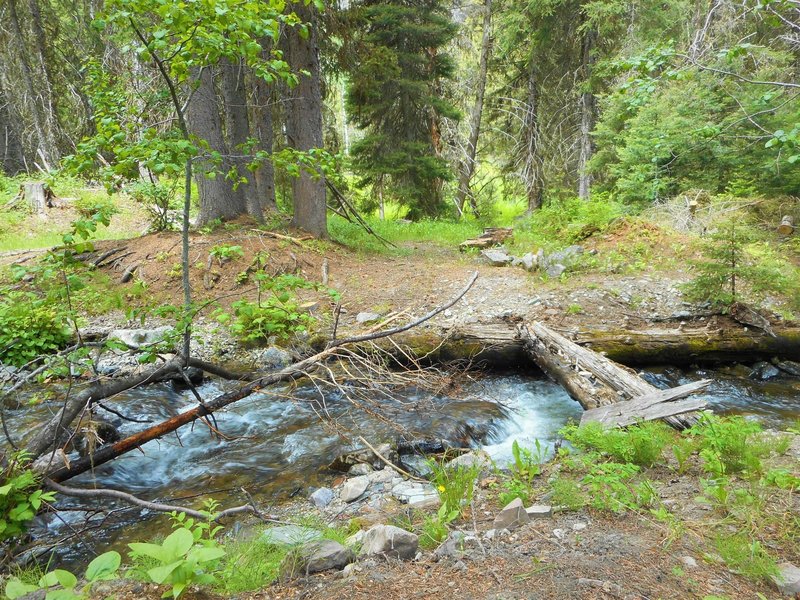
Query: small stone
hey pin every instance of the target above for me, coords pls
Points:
(489, 534)
(355, 539)
(689, 562)
(360, 469)
(322, 497)
(452, 546)
(579, 526)
(471, 459)
(353, 488)
(383, 476)
(512, 516)
(367, 317)
(138, 338)
(274, 358)
(539, 511)
(788, 579)
(559, 533)
(390, 541)
(459, 565)
(529, 262)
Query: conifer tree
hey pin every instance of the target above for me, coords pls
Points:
(395, 95)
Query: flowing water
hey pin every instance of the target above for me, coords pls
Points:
(276, 443)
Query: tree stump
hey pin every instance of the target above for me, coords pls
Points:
(787, 226)
(37, 195)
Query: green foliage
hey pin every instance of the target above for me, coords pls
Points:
(567, 493)
(224, 253)
(745, 555)
(181, 561)
(158, 199)
(782, 478)
(642, 444)
(434, 528)
(455, 485)
(728, 265)
(250, 565)
(20, 496)
(731, 445)
(526, 467)
(63, 585)
(29, 327)
(395, 94)
(609, 486)
(278, 315)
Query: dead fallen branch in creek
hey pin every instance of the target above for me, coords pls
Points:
(599, 384)
(299, 369)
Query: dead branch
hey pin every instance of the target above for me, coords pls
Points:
(294, 371)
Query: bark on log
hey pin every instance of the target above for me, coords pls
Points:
(569, 364)
(787, 226)
(491, 236)
(498, 344)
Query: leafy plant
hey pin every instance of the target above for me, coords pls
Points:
(225, 253)
(63, 585)
(730, 445)
(29, 327)
(455, 485)
(642, 444)
(746, 556)
(20, 496)
(610, 487)
(527, 465)
(181, 561)
(435, 528)
(159, 201)
(567, 493)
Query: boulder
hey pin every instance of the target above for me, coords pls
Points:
(363, 318)
(316, 557)
(512, 516)
(529, 262)
(390, 541)
(94, 434)
(568, 256)
(555, 270)
(194, 375)
(789, 366)
(139, 338)
(322, 497)
(787, 581)
(385, 475)
(497, 257)
(763, 371)
(274, 357)
(354, 488)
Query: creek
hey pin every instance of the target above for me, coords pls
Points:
(276, 444)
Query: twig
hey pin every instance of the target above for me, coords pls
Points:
(390, 464)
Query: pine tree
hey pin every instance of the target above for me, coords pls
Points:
(395, 95)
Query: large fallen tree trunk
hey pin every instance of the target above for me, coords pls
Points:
(595, 381)
(499, 344)
(203, 409)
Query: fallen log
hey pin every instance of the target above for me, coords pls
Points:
(787, 225)
(499, 344)
(595, 381)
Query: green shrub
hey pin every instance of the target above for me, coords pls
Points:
(731, 444)
(610, 487)
(527, 465)
(642, 444)
(567, 493)
(20, 496)
(434, 528)
(29, 327)
(455, 485)
(63, 585)
(158, 200)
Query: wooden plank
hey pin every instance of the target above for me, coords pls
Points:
(641, 407)
(658, 411)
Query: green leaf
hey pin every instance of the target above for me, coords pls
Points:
(59, 576)
(178, 543)
(151, 550)
(16, 589)
(104, 566)
(160, 574)
(206, 554)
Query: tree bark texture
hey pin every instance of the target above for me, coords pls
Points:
(468, 165)
(205, 123)
(305, 117)
(237, 129)
(12, 158)
(588, 109)
(262, 129)
(532, 165)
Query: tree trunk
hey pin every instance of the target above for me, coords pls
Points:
(45, 146)
(305, 117)
(467, 169)
(588, 106)
(237, 129)
(532, 171)
(205, 122)
(262, 129)
(12, 158)
(48, 99)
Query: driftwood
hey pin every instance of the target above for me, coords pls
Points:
(46, 438)
(787, 226)
(491, 236)
(595, 381)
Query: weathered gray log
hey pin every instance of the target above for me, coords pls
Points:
(787, 225)
(491, 236)
(652, 406)
(567, 363)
